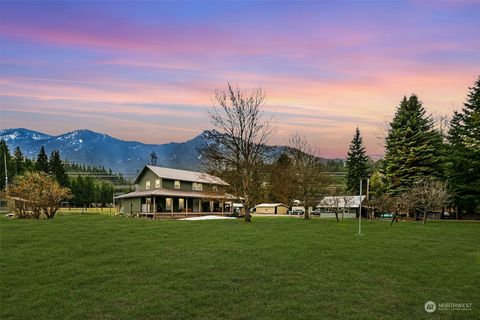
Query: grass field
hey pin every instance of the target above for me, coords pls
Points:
(106, 267)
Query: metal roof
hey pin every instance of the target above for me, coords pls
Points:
(183, 175)
(176, 193)
(352, 201)
(269, 205)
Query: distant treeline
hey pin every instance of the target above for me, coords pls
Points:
(90, 185)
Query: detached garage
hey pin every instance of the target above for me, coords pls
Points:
(271, 208)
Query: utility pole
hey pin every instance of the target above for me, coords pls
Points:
(6, 173)
(360, 213)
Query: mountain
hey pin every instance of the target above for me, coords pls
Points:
(93, 148)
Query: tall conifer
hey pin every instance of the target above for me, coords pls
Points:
(42, 161)
(463, 167)
(357, 163)
(413, 147)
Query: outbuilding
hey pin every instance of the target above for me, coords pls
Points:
(271, 208)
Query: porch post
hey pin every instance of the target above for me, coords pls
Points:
(199, 205)
(223, 204)
(154, 205)
(186, 206)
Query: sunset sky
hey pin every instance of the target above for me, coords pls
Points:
(147, 71)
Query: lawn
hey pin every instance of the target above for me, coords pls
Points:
(107, 267)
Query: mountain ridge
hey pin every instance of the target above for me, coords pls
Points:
(84, 146)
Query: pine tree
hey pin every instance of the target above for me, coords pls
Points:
(18, 161)
(57, 168)
(463, 168)
(412, 147)
(42, 161)
(357, 163)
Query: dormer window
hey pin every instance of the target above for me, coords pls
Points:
(147, 185)
(176, 184)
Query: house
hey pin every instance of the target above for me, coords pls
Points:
(348, 206)
(271, 208)
(164, 190)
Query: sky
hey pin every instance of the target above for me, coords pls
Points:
(148, 70)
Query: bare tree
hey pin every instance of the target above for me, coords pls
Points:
(239, 140)
(333, 204)
(308, 170)
(428, 195)
(347, 203)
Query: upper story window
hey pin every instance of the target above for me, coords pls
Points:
(158, 183)
(176, 184)
(214, 188)
(147, 185)
(197, 186)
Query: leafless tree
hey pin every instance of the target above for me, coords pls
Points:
(333, 204)
(347, 203)
(307, 169)
(428, 195)
(239, 140)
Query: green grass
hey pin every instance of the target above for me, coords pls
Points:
(106, 267)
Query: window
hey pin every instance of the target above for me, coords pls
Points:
(214, 188)
(181, 204)
(176, 184)
(197, 186)
(157, 183)
(147, 185)
(168, 204)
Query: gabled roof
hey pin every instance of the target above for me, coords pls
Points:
(352, 201)
(269, 205)
(182, 175)
(176, 193)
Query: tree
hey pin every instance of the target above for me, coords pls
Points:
(412, 147)
(333, 204)
(18, 161)
(282, 180)
(40, 192)
(57, 168)
(357, 163)
(308, 171)
(428, 195)
(463, 165)
(238, 142)
(42, 161)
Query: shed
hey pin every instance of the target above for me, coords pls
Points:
(271, 208)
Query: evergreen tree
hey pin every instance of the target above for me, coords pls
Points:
(18, 161)
(463, 168)
(412, 147)
(5, 154)
(42, 161)
(57, 168)
(357, 164)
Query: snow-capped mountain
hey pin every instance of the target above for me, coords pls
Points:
(93, 148)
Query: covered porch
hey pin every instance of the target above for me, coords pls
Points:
(175, 204)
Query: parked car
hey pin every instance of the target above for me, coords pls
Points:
(316, 212)
(386, 216)
(296, 212)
